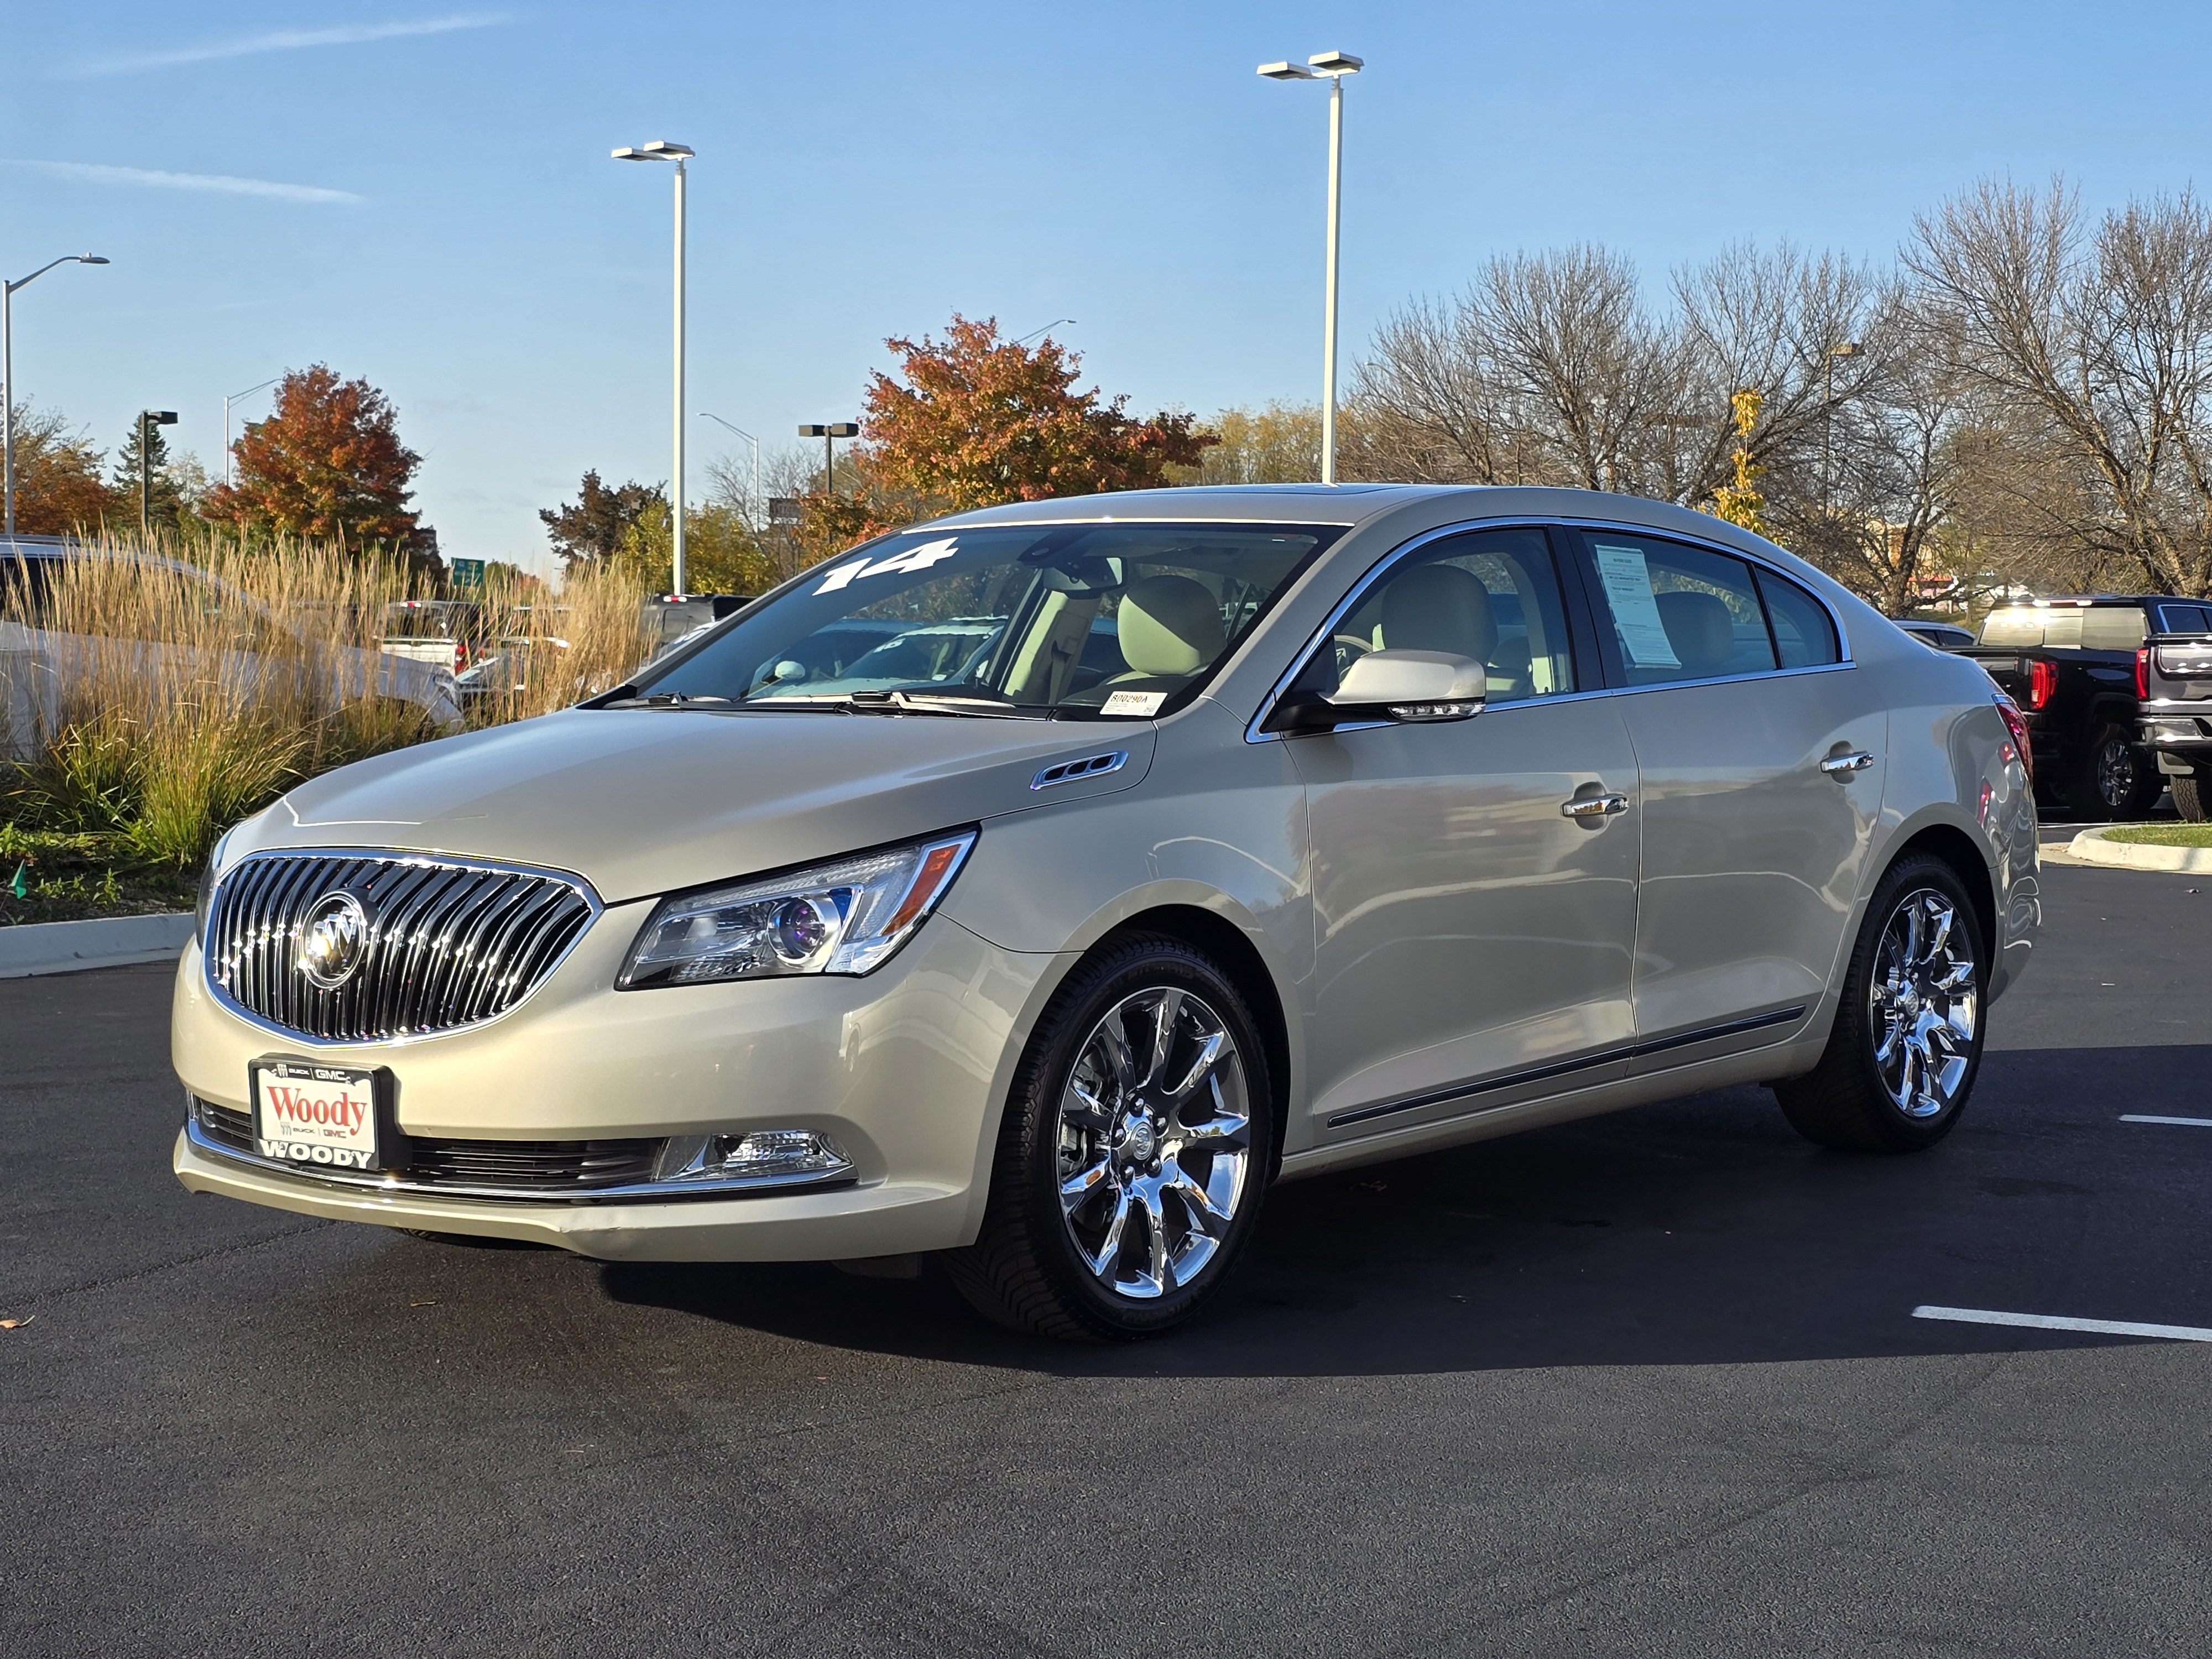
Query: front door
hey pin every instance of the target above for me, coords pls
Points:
(1760, 765)
(1473, 939)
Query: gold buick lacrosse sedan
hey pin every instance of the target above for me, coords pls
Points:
(1036, 887)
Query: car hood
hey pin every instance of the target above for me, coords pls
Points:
(644, 801)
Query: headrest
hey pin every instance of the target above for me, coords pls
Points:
(1699, 629)
(1439, 607)
(1168, 625)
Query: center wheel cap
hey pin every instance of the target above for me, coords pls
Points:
(1136, 1143)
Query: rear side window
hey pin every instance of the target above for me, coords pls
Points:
(2113, 627)
(1678, 612)
(2184, 619)
(1804, 637)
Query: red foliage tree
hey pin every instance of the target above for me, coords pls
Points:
(975, 421)
(327, 463)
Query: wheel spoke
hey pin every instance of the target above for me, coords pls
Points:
(1113, 1042)
(1209, 1056)
(1944, 917)
(1088, 1111)
(1108, 1255)
(1164, 1025)
(1077, 1189)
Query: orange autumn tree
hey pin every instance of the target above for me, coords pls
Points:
(974, 421)
(328, 463)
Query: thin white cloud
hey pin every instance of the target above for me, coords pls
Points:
(221, 183)
(250, 46)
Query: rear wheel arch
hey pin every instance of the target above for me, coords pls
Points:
(1955, 848)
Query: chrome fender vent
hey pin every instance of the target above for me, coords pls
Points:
(1090, 766)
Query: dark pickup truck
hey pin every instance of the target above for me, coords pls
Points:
(2072, 665)
(2174, 685)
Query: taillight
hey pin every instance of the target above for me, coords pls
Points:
(2016, 723)
(2042, 681)
(2143, 674)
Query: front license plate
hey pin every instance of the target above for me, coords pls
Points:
(314, 1115)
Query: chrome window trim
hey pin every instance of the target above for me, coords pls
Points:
(734, 1187)
(568, 878)
(1252, 734)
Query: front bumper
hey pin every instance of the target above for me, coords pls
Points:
(905, 1068)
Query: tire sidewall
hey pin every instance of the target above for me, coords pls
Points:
(1096, 987)
(1912, 875)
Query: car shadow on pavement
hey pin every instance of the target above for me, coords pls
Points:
(1699, 1231)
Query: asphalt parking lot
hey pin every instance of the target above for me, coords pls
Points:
(1651, 1384)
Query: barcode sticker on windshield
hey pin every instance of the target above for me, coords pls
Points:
(1627, 581)
(1135, 703)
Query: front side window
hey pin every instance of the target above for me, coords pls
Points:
(1492, 596)
(1679, 612)
(1069, 620)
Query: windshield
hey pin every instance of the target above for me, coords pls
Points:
(1084, 620)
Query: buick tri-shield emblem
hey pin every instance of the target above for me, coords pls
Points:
(333, 940)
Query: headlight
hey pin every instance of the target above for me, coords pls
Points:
(845, 917)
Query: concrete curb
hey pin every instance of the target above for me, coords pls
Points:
(2091, 846)
(66, 947)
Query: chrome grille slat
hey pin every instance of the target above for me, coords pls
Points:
(451, 942)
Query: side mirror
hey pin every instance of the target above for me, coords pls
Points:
(1398, 686)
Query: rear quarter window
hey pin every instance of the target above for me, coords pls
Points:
(1804, 637)
(2113, 627)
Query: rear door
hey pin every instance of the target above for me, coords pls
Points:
(1760, 759)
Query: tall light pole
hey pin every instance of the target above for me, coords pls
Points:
(8, 376)
(829, 434)
(1333, 67)
(751, 503)
(661, 150)
(1848, 348)
(237, 398)
(148, 418)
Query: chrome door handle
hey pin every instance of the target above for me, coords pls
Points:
(1594, 806)
(1842, 768)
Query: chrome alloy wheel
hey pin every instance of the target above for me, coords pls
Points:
(1923, 1002)
(1154, 1140)
(2116, 774)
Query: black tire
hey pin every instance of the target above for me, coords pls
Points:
(2192, 794)
(2119, 782)
(1846, 1101)
(1028, 1269)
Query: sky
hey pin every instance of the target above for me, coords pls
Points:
(420, 192)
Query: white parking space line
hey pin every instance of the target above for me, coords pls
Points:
(2061, 1322)
(2146, 1117)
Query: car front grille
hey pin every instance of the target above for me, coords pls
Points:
(442, 943)
(523, 1167)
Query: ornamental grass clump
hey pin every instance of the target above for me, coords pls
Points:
(172, 700)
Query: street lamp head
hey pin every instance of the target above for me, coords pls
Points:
(1336, 62)
(833, 429)
(1287, 72)
(92, 259)
(659, 151)
(160, 417)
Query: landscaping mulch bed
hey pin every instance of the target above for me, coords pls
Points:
(73, 876)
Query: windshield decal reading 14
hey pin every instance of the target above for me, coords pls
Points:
(915, 558)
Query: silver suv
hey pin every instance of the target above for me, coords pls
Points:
(1036, 887)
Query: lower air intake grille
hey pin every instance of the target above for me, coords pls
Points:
(542, 1168)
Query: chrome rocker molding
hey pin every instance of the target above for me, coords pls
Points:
(1581, 1062)
(229, 1003)
(654, 1191)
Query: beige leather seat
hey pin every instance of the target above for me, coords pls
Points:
(1701, 631)
(1439, 607)
(1169, 628)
